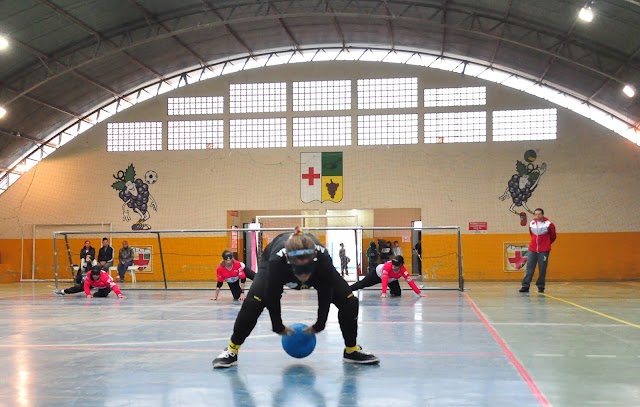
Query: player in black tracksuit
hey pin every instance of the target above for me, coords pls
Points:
(298, 261)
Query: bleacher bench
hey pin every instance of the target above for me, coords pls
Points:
(112, 269)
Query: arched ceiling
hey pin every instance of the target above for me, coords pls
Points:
(67, 57)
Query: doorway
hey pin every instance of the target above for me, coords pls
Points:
(416, 247)
(352, 240)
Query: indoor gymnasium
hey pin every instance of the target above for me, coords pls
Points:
(244, 203)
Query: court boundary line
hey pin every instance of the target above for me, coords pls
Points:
(512, 358)
(622, 321)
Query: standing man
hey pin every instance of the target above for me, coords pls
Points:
(125, 259)
(543, 234)
(105, 255)
(344, 260)
(418, 250)
(372, 255)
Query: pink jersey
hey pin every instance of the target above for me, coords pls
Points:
(231, 276)
(387, 274)
(104, 282)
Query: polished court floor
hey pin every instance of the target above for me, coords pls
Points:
(576, 345)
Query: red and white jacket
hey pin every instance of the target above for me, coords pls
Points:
(231, 276)
(542, 235)
(104, 282)
(386, 274)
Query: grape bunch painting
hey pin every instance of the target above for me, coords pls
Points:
(134, 192)
(521, 185)
(332, 188)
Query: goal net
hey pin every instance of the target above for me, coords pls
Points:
(189, 258)
(38, 253)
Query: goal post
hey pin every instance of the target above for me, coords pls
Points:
(38, 255)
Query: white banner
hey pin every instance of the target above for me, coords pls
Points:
(310, 177)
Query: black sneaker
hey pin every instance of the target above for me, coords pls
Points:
(225, 359)
(59, 292)
(360, 357)
(523, 290)
(541, 290)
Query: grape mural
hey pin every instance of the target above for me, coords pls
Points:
(522, 184)
(332, 188)
(134, 192)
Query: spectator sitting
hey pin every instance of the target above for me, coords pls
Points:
(87, 259)
(105, 255)
(397, 250)
(385, 252)
(125, 259)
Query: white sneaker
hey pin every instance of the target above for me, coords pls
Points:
(59, 292)
(226, 359)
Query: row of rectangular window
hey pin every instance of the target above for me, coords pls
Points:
(391, 93)
(457, 127)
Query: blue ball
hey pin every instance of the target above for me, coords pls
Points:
(299, 344)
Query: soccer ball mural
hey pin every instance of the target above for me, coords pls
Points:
(151, 177)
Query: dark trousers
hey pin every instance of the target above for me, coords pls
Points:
(344, 266)
(542, 260)
(102, 292)
(75, 289)
(235, 289)
(122, 268)
(372, 279)
(346, 303)
(78, 288)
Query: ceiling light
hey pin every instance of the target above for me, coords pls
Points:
(629, 91)
(4, 42)
(3, 111)
(586, 14)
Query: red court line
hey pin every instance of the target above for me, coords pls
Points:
(525, 375)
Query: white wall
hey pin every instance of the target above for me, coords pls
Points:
(591, 185)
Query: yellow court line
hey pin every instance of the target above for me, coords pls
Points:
(622, 321)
